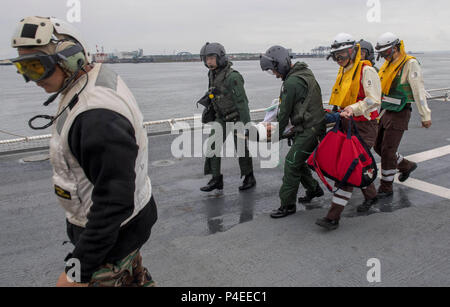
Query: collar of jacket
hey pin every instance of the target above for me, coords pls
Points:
(297, 67)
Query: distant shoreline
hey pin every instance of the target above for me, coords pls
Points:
(5, 63)
(175, 59)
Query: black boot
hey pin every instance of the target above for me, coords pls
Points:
(310, 196)
(366, 205)
(283, 212)
(328, 224)
(405, 175)
(249, 182)
(215, 184)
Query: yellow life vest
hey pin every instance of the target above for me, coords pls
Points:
(346, 89)
(390, 70)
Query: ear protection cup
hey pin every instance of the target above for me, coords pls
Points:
(71, 64)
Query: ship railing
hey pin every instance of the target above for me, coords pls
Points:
(158, 127)
(439, 94)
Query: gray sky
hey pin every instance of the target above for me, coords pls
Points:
(165, 26)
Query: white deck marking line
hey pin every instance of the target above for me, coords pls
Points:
(429, 155)
(422, 185)
(426, 187)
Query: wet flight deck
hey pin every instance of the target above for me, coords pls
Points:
(230, 240)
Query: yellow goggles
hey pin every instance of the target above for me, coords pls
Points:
(35, 67)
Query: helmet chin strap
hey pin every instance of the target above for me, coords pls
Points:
(378, 57)
(351, 55)
(63, 88)
(348, 63)
(391, 55)
(52, 98)
(349, 58)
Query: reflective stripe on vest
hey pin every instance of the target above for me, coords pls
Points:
(399, 96)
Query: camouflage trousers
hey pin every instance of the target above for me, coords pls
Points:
(128, 272)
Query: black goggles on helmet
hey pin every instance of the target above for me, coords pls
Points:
(39, 66)
(340, 57)
(386, 53)
(339, 45)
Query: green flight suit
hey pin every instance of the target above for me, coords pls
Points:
(230, 85)
(301, 102)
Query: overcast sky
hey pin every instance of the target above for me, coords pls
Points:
(165, 26)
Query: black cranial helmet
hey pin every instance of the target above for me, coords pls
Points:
(216, 49)
(368, 47)
(277, 58)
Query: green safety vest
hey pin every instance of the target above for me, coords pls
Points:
(400, 95)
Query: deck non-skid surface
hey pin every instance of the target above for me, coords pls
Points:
(230, 240)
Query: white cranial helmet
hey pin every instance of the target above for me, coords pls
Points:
(342, 41)
(386, 41)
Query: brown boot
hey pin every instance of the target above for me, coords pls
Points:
(331, 222)
(328, 224)
(385, 190)
(335, 212)
(406, 168)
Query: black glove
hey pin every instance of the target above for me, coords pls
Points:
(204, 101)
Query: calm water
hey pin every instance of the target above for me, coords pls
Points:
(170, 90)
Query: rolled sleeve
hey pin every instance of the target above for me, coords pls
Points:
(415, 80)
